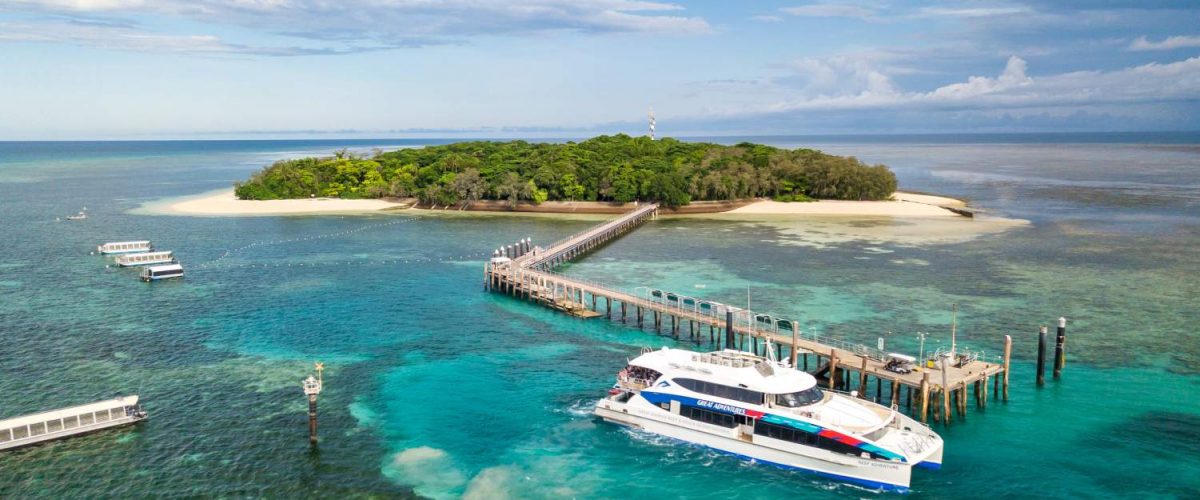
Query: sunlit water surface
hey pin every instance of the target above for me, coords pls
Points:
(437, 388)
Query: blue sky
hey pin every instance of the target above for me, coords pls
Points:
(143, 69)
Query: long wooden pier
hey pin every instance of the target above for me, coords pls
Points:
(941, 389)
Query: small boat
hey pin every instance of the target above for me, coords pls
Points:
(56, 424)
(79, 216)
(124, 247)
(145, 259)
(765, 411)
(155, 273)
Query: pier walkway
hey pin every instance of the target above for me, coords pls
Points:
(529, 274)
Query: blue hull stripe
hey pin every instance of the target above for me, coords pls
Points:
(929, 465)
(658, 397)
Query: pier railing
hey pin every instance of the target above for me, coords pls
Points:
(531, 275)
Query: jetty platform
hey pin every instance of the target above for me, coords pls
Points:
(940, 387)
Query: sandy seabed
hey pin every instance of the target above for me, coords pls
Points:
(905, 205)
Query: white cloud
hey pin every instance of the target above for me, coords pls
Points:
(119, 37)
(973, 12)
(829, 10)
(767, 19)
(1012, 77)
(840, 84)
(403, 21)
(1170, 43)
(838, 76)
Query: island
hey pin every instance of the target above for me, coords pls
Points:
(614, 169)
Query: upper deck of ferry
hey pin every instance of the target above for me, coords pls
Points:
(124, 247)
(138, 259)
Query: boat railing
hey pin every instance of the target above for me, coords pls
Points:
(962, 355)
(854, 347)
(633, 383)
(720, 360)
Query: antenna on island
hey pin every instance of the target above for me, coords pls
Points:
(953, 328)
(652, 123)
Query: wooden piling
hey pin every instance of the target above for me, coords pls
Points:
(832, 367)
(1060, 355)
(944, 390)
(924, 397)
(729, 330)
(1007, 360)
(795, 334)
(862, 379)
(983, 400)
(1041, 357)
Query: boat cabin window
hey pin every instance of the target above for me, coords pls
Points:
(802, 398)
(86, 419)
(54, 426)
(20, 432)
(5, 435)
(71, 422)
(708, 416)
(721, 391)
(785, 433)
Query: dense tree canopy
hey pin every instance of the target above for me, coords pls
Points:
(606, 168)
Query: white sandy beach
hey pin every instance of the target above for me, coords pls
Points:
(906, 205)
(224, 202)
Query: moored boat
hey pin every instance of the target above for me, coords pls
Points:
(145, 259)
(124, 247)
(762, 410)
(56, 424)
(155, 273)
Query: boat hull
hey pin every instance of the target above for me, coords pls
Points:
(886, 475)
(66, 433)
(116, 252)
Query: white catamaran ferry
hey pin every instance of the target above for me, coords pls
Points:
(155, 273)
(30, 429)
(124, 247)
(145, 259)
(763, 410)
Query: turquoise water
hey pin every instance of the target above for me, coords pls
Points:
(436, 388)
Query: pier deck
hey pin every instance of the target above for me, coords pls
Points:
(529, 275)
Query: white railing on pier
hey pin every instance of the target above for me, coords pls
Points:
(574, 240)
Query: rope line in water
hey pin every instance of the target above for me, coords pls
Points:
(365, 262)
(264, 243)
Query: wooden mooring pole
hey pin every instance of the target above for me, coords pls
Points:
(832, 367)
(1041, 357)
(1060, 355)
(1007, 363)
(729, 329)
(795, 334)
(924, 396)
